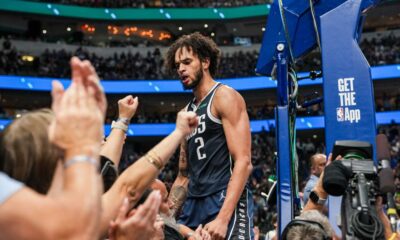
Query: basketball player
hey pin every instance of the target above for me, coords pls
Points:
(215, 160)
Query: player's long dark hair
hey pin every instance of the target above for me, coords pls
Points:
(203, 47)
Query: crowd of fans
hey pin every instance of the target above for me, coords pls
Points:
(158, 3)
(382, 50)
(379, 51)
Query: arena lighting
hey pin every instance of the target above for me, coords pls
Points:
(138, 31)
(174, 86)
(130, 30)
(27, 58)
(164, 36)
(88, 28)
(148, 33)
(303, 123)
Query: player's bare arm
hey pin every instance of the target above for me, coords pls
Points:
(229, 106)
(178, 193)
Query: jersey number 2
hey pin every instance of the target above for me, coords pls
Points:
(200, 141)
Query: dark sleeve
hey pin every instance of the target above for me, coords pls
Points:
(108, 172)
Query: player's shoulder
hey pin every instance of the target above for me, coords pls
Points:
(227, 94)
(226, 91)
(228, 99)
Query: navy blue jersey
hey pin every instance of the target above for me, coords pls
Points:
(209, 161)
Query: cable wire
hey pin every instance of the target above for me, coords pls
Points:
(292, 128)
(315, 25)
(373, 230)
(284, 24)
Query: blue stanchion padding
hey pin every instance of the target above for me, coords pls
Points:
(299, 26)
(174, 86)
(348, 89)
(284, 166)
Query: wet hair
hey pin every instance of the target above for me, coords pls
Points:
(203, 47)
(26, 153)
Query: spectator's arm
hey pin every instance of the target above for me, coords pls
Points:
(199, 234)
(310, 205)
(318, 188)
(134, 180)
(384, 218)
(77, 128)
(186, 232)
(72, 214)
(112, 148)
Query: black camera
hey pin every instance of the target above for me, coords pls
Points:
(355, 177)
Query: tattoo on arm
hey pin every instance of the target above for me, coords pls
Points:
(177, 196)
(178, 193)
(183, 161)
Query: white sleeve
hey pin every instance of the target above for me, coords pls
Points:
(8, 187)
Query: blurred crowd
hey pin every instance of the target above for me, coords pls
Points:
(158, 3)
(122, 66)
(383, 102)
(379, 51)
(382, 51)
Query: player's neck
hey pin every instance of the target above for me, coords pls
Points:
(203, 88)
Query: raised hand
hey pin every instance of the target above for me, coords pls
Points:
(159, 229)
(127, 107)
(139, 225)
(92, 82)
(186, 122)
(78, 118)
